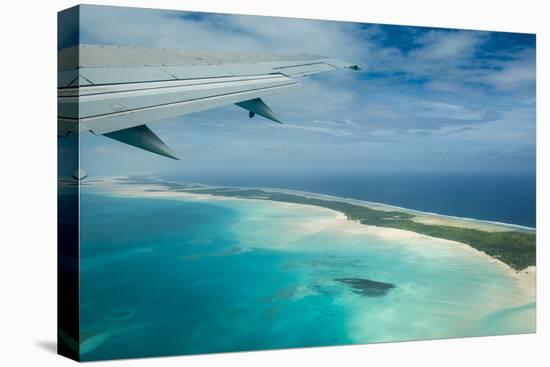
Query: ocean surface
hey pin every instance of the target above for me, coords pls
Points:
(166, 276)
(500, 197)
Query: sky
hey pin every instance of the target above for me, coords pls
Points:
(425, 100)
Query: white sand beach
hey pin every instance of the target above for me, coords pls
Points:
(526, 278)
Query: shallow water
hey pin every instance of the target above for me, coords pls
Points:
(166, 276)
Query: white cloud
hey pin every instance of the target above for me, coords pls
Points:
(513, 75)
(447, 45)
(382, 133)
(447, 111)
(322, 130)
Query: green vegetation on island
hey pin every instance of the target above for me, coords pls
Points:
(515, 247)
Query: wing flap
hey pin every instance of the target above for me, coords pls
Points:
(305, 69)
(117, 75)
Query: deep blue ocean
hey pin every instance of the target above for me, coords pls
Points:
(500, 197)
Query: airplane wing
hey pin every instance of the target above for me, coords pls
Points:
(115, 91)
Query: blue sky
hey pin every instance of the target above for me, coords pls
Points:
(426, 99)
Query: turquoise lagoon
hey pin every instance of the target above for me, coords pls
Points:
(181, 274)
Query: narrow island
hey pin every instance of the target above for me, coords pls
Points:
(516, 248)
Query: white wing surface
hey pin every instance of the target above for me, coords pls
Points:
(114, 91)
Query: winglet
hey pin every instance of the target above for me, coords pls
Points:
(257, 106)
(142, 137)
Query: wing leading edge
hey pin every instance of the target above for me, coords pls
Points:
(115, 91)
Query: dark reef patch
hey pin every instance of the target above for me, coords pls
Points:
(367, 287)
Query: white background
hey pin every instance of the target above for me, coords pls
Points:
(28, 182)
